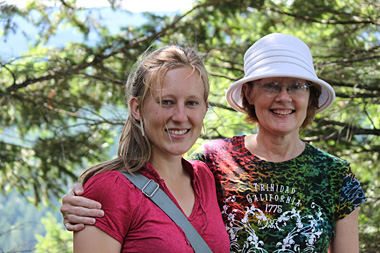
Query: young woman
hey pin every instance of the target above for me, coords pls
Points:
(276, 192)
(167, 98)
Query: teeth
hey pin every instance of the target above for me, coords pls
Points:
(282, 112)
(177, 131)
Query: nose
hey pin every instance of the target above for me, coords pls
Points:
(179, 114)
(284, 95)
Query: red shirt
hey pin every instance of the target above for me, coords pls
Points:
(140, 226)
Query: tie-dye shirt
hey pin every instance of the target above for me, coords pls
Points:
(289, 206)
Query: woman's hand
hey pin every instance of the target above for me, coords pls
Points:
(78, 211)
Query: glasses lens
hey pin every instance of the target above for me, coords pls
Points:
(271, 87)
(298, 88)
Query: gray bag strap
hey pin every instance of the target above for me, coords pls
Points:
(152, 190)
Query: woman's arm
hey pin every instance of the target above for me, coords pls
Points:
(92, 239)
(78, 211)
(346, 238)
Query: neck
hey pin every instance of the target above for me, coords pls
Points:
(275, 148)
(168, 167)
(176, 178)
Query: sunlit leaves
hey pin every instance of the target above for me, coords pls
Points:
(60, 106)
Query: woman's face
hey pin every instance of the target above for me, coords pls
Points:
(173, 116)
(280, 104)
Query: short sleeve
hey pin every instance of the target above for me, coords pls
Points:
(351, 195)
(117, 195)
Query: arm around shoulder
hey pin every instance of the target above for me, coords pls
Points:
(78, 211)
(346, 238)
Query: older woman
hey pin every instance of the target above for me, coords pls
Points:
(276, 192)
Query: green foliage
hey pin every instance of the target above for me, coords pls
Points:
(61, 108)
(20, 222)
(56, 240)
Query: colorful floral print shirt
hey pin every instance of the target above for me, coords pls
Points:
(289, 206)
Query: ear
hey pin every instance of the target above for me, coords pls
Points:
(207, 106)
(134, 108)
(247, 92)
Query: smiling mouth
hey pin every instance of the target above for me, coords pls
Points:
(178, 132)
(282, 112)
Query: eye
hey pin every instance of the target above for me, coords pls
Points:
(298, 87)
(295, 86)
(271, 86)
(192, 103)
(167, 102)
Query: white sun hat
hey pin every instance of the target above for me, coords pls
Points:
(279, 55)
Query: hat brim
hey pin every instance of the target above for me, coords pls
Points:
(234, 99)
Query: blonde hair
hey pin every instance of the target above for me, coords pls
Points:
(134, 147)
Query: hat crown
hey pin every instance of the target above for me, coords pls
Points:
(278, 47)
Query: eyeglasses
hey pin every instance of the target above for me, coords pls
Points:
(293, 88)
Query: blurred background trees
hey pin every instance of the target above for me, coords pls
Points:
(63, 107)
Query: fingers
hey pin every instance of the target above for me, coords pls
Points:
(74, 227)
(79, 214)
(72, 198)
(78, 211)
(76, 219)
(73, 206)
(78, 189)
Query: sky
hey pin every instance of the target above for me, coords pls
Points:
(130, 5)
(15, 44)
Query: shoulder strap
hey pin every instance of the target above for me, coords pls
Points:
(153, 191)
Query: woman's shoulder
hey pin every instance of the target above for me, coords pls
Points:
(200, 168)
(197, 165)
(221, 148)
(106, 177)
(224, 143)
(107, 183)
(323, 156)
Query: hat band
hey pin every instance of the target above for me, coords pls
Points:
(282, 61)
(280, 48)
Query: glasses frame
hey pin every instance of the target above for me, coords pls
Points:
(290, 87)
